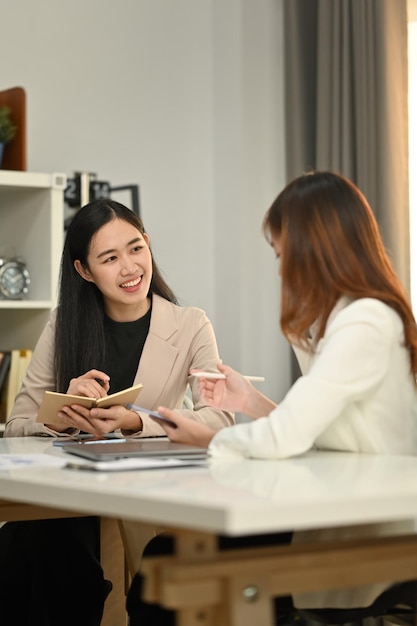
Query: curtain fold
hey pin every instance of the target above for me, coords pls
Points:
(346, 72)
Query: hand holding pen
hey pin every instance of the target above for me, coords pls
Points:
(93, 384)
(208, 381)
(229, 390)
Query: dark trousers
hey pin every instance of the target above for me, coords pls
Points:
(144, 614)
(50, 573)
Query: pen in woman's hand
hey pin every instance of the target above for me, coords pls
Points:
(219, 375)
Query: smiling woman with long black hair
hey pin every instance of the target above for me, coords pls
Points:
(117, 324)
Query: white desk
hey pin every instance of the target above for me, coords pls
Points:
(235, 498)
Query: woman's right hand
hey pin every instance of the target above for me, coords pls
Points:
(93, 384)
(229, 394)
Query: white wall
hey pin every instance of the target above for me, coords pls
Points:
(184, 98)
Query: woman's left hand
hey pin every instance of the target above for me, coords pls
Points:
(99, 422)
(187, 430)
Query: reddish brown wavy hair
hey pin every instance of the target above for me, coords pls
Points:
(331, 246)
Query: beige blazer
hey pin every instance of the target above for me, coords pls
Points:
(179, 339)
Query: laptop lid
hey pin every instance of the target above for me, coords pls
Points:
(111, 449)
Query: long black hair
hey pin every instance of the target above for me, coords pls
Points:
(79, 335)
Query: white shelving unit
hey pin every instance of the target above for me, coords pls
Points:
(31, 227)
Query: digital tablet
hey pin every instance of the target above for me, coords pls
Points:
(105, 451)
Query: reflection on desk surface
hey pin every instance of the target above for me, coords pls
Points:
(234, 496)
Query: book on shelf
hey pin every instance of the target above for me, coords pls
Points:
(5, 358)
(53, 401)
(18, 365)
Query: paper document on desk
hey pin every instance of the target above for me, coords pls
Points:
(16, 461)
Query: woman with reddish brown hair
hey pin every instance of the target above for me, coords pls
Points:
(332, 249)
(349, 320)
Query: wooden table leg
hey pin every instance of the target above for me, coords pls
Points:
(233, 599)
(113, 563)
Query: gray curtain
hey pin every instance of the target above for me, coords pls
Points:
(347, 103)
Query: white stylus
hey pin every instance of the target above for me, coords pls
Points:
(219, 375)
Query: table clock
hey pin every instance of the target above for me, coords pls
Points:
(14, 278)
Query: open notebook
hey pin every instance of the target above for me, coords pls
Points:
(143, 448)
(53, 401)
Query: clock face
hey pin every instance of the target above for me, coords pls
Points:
(14, 280)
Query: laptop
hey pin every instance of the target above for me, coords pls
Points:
(143, 448)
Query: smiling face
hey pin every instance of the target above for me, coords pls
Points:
(119, 263)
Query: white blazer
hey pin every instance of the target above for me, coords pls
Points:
(356, 394)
